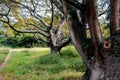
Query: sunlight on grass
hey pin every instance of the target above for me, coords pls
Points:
(39, 64)
(66, 75)
(30, 49)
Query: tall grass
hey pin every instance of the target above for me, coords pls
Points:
(40, 65)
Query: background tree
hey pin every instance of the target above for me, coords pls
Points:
(99, 56)
(30, 17)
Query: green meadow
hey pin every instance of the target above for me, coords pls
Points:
(39, 64)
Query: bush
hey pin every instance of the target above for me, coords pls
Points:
(69, 51)
(24, 40)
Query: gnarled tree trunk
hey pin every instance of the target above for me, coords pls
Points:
(55, 50)
(102, 60)
(56, 44)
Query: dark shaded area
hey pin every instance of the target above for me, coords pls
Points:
(27, 41)
(113, 57)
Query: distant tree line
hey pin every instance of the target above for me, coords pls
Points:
(20, 40)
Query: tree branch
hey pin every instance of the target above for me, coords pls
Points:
(65, 42)
(40, 30)
(114, 15)
(23, 31)
(60, 25)
(75, 28)
(36, 26)
(39, 18)
(58, 5)
(76, 5)
(52, 16)
(32, 13)
(41, 39)
(103, 12)
(94, 29)
(34, 8)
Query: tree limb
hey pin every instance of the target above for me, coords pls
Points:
(76, 5)
(114, 15)
(41, 39)
(36, 26)
(32, 13)
(52, 16)
(60, 25)
(65, 42)
(58, 5)
(75, 31)
(23, 31)
(94, 27)
(103, 12)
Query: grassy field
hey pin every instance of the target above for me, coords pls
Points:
(3, 53)
(38, 64)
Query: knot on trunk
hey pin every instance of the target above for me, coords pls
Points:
(112, 61)
(107, 44)
(112, 44)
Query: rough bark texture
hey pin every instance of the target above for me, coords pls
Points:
(112, 60)
(76, 29)
(114, 15)
(101, 60)
(96, 67)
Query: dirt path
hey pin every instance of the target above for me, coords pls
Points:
(6, 59)
(10, 52)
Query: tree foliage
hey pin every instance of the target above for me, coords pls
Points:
(40, 18)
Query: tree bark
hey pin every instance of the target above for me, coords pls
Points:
(104, 62)
(114, 15)
(112, 58)
(76, 29)
(55, 50)
(96, 67)
(77, 35)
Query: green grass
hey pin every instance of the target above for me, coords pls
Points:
(3, 54)
(40, 65)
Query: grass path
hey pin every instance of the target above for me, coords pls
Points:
(9, 54)
(6, 59)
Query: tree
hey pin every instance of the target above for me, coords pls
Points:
(101, 57)
(28, 17)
